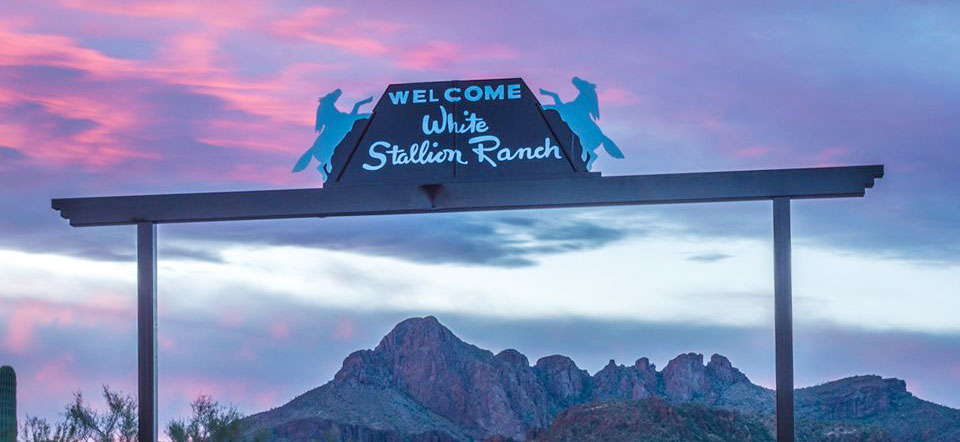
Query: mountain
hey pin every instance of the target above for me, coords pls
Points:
(880, 409)
(423, 384)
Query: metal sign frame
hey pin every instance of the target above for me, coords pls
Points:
(779, 186)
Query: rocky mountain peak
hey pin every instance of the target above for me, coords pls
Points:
(565, 383)
(482, 393)
(684, 378)
(722, 373)
(685, 360)
(514, 358)
(621, 382)
(555, 363)
(644, 364)
(417, 333)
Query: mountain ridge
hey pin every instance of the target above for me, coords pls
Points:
(423, 383)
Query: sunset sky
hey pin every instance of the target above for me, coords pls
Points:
(106, 97)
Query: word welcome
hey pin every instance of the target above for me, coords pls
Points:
(486, 149)
(454, 94)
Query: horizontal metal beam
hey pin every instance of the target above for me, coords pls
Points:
(346, 200)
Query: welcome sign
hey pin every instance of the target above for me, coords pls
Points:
(431, 133)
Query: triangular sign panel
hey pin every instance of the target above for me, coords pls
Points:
(433, 133)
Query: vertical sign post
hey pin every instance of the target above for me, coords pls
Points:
(147, 331)
(783, 318)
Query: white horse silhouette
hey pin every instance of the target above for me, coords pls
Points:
(331, 126)
(581, 115)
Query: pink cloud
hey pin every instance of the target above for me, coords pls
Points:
(56, 374)
(752, 151)
(713, 123)
(188, 388)
(616, 96)
(831, 156)
(26, 317)
(233, 14)
(97, 145)
(166, 344)
(119, 113)
(55, 50)
(314, 25)
(187, 59)
(380, 26)
(344, 330)
(434, 55)
(266, 398)
(192, 60)
(443, 55)
(247, 354)
(280, 330)
(135, 8)
(231, 318)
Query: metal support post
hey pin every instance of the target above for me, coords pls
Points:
(783, 318)
(147, 331)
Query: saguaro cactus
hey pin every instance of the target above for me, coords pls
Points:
(8, 404)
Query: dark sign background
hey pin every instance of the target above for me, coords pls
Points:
(517, 123)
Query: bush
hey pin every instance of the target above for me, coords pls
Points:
(209, 422)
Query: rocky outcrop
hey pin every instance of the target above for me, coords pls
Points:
(486, 394)
(565, 383)
(722, 374)
(620, 382)
(684, 378)
(853, 398)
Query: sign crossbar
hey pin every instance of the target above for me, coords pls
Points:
(351, 200)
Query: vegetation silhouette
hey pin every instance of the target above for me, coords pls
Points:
(209, 422)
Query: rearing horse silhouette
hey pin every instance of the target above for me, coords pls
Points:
(331, 126)
(581, 115)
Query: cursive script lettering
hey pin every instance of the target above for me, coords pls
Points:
(446, 123)
(485, 145)
(420, 153)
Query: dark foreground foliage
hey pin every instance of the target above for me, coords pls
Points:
(651, 420)
(209, 422)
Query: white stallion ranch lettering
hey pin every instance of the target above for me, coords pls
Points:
(488, 151)
(419, 153)
(486, 148)
(447, 123)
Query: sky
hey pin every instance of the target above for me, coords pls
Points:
(104, 97)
